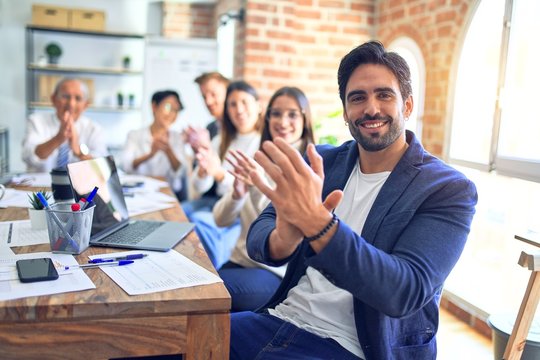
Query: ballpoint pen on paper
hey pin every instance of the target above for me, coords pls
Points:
(90, 198)
(87, 266)
(111, 259)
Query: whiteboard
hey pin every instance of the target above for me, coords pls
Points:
(174, 64)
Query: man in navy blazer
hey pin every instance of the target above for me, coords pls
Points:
(370, 231)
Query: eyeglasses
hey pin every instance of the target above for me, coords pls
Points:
(168, 108)
(278, 114)
(68, 97)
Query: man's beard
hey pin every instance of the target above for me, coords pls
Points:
(376, 141)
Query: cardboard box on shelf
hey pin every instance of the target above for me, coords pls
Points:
(53, 16)
(47, 83)
(93, 20)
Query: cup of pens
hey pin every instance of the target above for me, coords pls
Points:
(69, 227)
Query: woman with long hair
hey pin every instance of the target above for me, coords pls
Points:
(250, 283)
(241, 130)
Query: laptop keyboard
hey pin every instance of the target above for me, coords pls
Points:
(133, 233)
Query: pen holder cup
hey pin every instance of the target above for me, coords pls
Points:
(69, 231)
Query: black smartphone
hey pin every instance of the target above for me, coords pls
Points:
(41, 269)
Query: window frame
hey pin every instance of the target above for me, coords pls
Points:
(504, 165)
(411, 46)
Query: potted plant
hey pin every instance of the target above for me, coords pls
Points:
(38, 220)
(126, 62)
(120, 99)
(53, 51)
(131, 100)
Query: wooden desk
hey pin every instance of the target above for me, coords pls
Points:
(107, 323)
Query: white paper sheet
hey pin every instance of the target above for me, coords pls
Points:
(159, 271)
(33, 179)
(148, 184)
(68, 281)
(5, 250)
(20, 233)
(15, 198)
(141, 203)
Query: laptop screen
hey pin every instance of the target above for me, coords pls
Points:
(111, 210)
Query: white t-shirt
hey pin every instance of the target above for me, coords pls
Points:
(41, 127)
(139, 143)
(315, 304)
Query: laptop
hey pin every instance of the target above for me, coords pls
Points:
(111, 225)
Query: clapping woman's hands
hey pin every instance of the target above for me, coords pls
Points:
(209, 163)
(242, 165)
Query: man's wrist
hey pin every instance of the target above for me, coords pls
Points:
(333, 222)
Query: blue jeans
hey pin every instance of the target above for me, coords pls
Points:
(250, 288)
(217, 241)
(266, 337)
(205, 203)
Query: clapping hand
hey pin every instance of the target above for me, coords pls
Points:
(209, 162)
(160, 143)
(243, 165)
(297, 196)
(196, 138)
(69, 132)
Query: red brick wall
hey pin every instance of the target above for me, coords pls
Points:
(437, 27)
(300, 43)
(188, 20)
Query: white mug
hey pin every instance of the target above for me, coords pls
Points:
(2, 191)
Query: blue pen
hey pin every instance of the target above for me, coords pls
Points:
(127, 257)
(86, 266)
(90, 198)
(57, 221)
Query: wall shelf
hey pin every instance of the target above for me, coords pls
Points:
(97, 59)
(35, 105)
(96, 71)
(84, 32)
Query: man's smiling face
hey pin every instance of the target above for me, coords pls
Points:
(374, 108)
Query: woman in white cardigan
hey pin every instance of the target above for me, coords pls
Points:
(250, 283)
(241, 130)
(157, 150)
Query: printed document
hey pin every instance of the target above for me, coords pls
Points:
(20, 233)
(12, 288)
(159, 271)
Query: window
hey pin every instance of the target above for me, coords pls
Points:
(492, 124)
(410, 51)
(519, 146)
(226, 43)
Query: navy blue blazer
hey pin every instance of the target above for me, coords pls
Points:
(395, 270)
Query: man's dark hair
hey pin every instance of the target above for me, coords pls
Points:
(373, 52)
(159, 96)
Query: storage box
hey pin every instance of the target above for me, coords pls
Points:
(53, 16)
(92, 20)
(47, 83)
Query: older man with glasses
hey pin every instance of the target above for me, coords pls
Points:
(56, 139)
